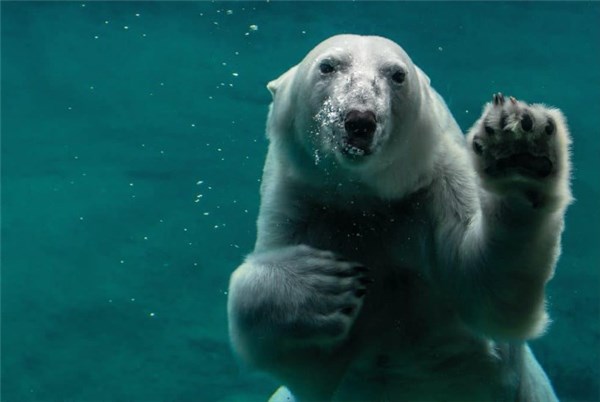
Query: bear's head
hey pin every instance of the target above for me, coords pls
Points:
(354, 108)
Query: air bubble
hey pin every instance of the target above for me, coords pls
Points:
(317, 157)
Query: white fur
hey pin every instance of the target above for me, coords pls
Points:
(459, 259)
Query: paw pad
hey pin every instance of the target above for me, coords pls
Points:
(477, 147)
(526, 122)
(550, 127)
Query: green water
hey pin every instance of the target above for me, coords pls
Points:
(132, 147)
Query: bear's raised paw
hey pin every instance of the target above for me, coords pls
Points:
(517, 139)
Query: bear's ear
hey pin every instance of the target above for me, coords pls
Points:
(424, 78)
(286, 77)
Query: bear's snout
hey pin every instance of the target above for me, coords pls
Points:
(360, 127)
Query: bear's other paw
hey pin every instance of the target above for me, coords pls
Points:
(323, 293)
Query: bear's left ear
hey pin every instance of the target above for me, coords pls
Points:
(281, 111)
(274, 85)
(424, 78)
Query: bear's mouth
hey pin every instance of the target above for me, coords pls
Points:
(356, 146)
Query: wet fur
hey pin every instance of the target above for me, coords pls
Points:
(457, 260)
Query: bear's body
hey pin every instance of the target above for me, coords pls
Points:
(394, 261)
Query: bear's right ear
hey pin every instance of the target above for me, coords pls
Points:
(285, 78)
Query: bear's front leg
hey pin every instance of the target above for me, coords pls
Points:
(521, 155)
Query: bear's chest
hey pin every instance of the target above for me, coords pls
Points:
(386, 235)
(394, 242)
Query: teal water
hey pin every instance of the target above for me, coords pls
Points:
(132, 147)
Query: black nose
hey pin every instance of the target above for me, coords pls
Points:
(360, 124)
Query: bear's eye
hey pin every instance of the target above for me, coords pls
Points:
(326, 67)
(398, 77)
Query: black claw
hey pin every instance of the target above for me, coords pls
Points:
(550, 127)
(526, 122)
(477, 148)
(488, 130)
(360, 269)
(360, 292)
(366, 280)
(498, 98)
(347, 310)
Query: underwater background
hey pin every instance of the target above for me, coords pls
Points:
(132, 149)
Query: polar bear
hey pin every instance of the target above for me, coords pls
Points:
(396, 260)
